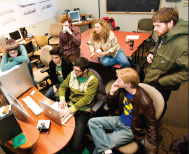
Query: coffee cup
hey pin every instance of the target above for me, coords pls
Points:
(131, 43)
(98, 51)
(64, 31)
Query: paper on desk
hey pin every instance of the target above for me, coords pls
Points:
(55, 106)
(129, 37)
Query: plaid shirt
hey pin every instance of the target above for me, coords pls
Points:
(70, 44)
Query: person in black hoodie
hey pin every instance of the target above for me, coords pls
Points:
(59, 68)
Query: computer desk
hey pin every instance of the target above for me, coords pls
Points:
(89, 22)
(121, 38)
(57, 138)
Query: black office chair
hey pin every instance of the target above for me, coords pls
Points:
(100, 97)
(145, 25)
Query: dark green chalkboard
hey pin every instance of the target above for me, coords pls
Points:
(129, 6)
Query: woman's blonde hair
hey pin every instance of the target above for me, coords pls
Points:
(105, 31)
(129, 75)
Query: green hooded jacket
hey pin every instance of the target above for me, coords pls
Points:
(170, 63)
(81, 94)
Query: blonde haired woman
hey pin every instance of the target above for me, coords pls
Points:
(103, 38)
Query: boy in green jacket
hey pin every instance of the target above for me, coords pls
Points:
(83, 86)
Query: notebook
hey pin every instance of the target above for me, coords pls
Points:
(17, 80)
(53, 112)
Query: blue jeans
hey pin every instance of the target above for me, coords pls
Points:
(121, 134)
(50, 91)
(120, 59)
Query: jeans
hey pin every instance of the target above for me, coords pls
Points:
(81, 120)
(120, 59)
(50, 91)
(121, 134)
(31, 73)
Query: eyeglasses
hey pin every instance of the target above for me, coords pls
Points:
(13, 52)
(76, 71)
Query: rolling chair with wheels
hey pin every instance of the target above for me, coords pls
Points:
(158, 103)
(100, 97)
(41, 41)
(145, 25)
(54, 31)
(41, 74)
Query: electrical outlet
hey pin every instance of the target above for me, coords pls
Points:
(185, 3)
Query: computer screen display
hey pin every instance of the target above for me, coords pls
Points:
(74, 15)
(15, 35)
(15, 103)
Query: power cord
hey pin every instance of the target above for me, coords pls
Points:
(165, 149)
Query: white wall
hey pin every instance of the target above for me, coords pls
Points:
(87, 7)
(127, 22)
(43, 27)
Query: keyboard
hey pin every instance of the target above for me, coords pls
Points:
(55, 106)
(66, 119)
(78, 22)
(34, 107)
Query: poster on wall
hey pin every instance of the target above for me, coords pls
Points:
(22, 13)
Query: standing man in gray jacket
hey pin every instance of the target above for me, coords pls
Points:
(168, 61)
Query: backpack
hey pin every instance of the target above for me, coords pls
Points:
(180, 146)
(111, 21)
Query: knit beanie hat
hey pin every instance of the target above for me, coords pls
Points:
(11, 45)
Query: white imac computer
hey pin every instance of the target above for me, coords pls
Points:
(74, 15)
(17, 106)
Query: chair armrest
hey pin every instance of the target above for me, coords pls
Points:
(97, 105)
(129, 59)
(45, 69)
(34, 61)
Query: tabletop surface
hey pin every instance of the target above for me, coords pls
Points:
(58, 136)
(121, 38)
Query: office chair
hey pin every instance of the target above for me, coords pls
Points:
(100, 97)
(54, 31)
(2, 44)
(145, 25)
(41, 74)
(158, 103)
(41, 41)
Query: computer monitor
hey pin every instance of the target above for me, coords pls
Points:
(15, 35)
(18, 108)
(74, 15)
